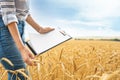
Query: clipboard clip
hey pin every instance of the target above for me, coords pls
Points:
(63, 33)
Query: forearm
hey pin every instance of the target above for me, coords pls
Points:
(25, 52)
(15, 34)
(33, 23)
(37, 27)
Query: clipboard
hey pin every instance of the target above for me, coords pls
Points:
(40, 43)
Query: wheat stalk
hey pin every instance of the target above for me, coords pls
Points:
(8, 61)
(93, 76)
(15, 72)
(1, 77)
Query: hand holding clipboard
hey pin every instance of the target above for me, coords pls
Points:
(40, 43)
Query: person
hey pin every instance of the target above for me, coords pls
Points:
(13, 15)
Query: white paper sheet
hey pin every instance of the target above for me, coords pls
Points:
(43, 42)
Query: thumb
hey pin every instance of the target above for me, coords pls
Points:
(31, 56)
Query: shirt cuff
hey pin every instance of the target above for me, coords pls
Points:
(26, 16)
(23, 17)
(9, 19)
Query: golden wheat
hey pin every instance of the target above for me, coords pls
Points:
(15, 72)
(78, 60)
(8, 61)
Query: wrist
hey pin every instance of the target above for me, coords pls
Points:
(21, 48)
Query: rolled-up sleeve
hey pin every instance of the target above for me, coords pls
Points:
(8, 11)
(22, 9)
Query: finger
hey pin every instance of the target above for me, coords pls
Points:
(52, 28)
(49, 29)
(37, 61)
(29, 62)
(34, 63)
(31, 56)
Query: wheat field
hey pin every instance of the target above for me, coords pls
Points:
(78, 60)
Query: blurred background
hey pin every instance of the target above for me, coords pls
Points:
(79, 18)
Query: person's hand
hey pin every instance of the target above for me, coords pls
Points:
(27, 56)
(45, 30)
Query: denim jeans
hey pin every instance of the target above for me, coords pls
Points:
(9, 50)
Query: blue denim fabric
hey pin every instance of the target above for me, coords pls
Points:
(9, 50)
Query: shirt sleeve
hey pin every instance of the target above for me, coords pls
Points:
(8, 11)
(22, 9)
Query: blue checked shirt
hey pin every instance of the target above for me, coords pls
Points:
(14, 10)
